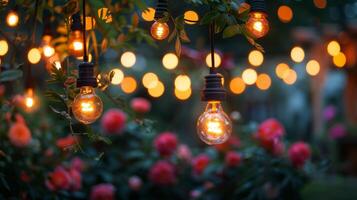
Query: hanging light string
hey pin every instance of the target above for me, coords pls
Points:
(211, 35)
(85, 56)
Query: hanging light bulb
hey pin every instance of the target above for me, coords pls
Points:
(87, 106)
(47, 48)
(12, 19)
(214, 126)
(257, 24)
(159, 29)
(75, 42)
(31, 102)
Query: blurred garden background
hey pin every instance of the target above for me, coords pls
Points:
(291, 99)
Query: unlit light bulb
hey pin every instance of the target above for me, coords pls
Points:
(257, 24)
(214, 126)
(87, 107)
(160, 31)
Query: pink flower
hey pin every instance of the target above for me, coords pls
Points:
(162, 173)
(19, 134)
(232, 159)
(59, 179)
(337, 131)
(269, 134)
(78, 164)
(113, 121)
(299, 152)
(232, 142)
(66, 142)
(104, 191)
(135, 183)
(184, 152)
(165, 143)
(140, 105)
(76, 179)
(200, 162)
(329, 113)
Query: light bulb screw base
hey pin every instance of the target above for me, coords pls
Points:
(76, 24)
(86, 75)
(213, 90)
(161, 8)
(257, 6)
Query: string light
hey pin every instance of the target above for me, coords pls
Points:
(34, 56)
(256, 58)
(285, 13)
(118, 76)
(157, 91)
(128, 59)
(148, 14)
(159, 30)
(150, 80)
(182, 82)
(76, 43)
(321, 4)
(340, 60)
(183, 95)
(249, 76)
(281, 70)
(4, 47)
(31, 103)
(217, 60)
(291, 77)
(128, 85)
(191, 17)
(257, 24)
(263, 81)
(12, 19)
(333, 48)
(313, 67)
(237, 85)
(47, 49)
(170, 61)
(297, 54)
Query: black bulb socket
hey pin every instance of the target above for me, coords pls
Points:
(213, 90)
(86, 75)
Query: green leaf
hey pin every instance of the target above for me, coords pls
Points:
(10, 75)
(209, 17)
(231, 31)
(178, 46)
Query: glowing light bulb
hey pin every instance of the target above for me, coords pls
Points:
(257, 24)
(4, 47)
(34, 55)
(12, 19)
(30, 101)
(214, 126)
(76, 46)
(160, 31)
(87, 106)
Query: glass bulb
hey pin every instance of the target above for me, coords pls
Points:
(75, 47)
(87, 106)
(214, 126)
(257, 24)
(47, 48)
(159, 30)
(12, 19)
(30, 101)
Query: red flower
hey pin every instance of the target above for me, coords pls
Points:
(232, 159)
(113, 121)
(19, 134)
(104, 191)
(165, 143)
(162, 173)
(299, 152)
(78, 164)
(200, 162)
(140, 105)
(232, 142)
(270, 133)
(59, 179)
(66, 142)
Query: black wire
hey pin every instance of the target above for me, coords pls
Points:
(211, 33)
(85, 56)
(29, 82)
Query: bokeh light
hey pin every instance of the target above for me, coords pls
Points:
(34, 55)
(157, 91)
(291, 77)
(281, 70)
(150, 80)
(128, 85)
(128, 59)
(333, 48)
(117, 77)
(48, 51)
(170, 61)
(182, 82)
(217, 60)
(237, 85)
(313, 67)
(4, 47)
(320, 3)
(340, 60)
(249, 76)
(191, 17)
(256, 58)
(183, 95)
(12, 19)
(297, 54)
(263, 81)
(148, 14)
(285, 13)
